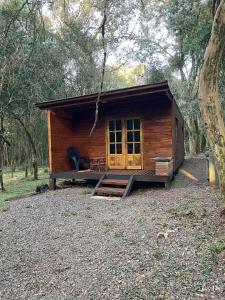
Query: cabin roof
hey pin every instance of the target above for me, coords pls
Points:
(160, 89)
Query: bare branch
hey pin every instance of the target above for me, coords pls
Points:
(102, 27)
(13, 19)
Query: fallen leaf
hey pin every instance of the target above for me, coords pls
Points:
(165, 234)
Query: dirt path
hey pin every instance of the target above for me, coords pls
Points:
(152, 245)
(193, 172)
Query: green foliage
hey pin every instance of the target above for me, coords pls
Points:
(218, 246)
(158, 254)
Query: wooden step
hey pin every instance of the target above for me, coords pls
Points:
(110, 191)
(122, 182)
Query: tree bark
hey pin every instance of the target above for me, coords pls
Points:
(1, 154)
(209, 94)
(193, 135)
(13, 167)
(34, 151)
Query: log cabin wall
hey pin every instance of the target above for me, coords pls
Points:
(157, 131)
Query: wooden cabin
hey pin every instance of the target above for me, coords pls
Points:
(139, 137)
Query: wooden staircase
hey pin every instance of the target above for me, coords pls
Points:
(111, 185)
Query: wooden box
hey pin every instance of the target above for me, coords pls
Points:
(163, 166)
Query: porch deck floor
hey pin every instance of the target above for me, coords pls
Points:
(139, 175)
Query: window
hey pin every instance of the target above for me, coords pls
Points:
(133, 136)
(115, 137)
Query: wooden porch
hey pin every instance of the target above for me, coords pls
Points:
(138, 175)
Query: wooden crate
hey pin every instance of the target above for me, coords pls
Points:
(163, 168)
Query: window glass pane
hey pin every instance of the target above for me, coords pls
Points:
(136, 136)
(137, 148)
(137, 124)
(111, 125)
(112, 137)
(119, 137)
(129, 124)
(129, 136)
(119, 148)
(130, 148)
(112, 148)
(118, 125)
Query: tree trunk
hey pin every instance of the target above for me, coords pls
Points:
(35, 168)
(26, 170)
(13, 167)
(193, 135)
(34, 151)
(186, 140)
(1, 155)
(202, 143)
(209, 94)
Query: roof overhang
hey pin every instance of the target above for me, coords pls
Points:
(159, 89)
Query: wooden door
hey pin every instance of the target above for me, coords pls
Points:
(133, 143)
(124, 144)
(116, 144)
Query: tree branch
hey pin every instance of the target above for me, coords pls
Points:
(102, 27)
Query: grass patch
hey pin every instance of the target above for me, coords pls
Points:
(86, 191)
(118, 234)
(198, 287)
(19, 186)
(132, 293)
(190, 210)
(158, 254)
(28, 206)
(61, 270)
(70, 213)
(217, 247)
(183, 243)
(4, 208)
(177, 269)
(206, 268)
(157, 287)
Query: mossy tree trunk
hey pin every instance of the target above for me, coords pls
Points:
(209, 94)
(1, 154)
(193, 135)
(1, 165)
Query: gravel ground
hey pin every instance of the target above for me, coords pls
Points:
(151, 245)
